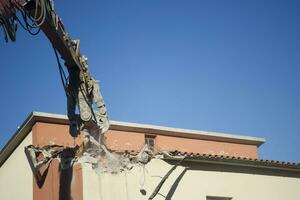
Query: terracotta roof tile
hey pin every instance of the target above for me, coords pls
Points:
(237, 159)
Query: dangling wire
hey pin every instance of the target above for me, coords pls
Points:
(37, 19)
(62, 74)
(9, 25)
(4, 32)
(64, 81)
(28, 27)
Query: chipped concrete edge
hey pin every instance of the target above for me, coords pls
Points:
(34, 117)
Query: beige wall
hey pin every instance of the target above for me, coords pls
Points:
(126, 185)
(240, 186)
(16, 176)
(196, 183)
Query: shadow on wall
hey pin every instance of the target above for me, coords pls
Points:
(41, 177)
(66, 173)
(65, 181)
(54, 180)
(175, 185)
(224, 168)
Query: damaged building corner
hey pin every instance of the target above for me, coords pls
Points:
(137, 161)
(89, 152)
(85, 156)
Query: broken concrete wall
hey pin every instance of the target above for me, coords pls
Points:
(135, 184)
(194, 181)
(56, 183)
(16, 180)
(120, 140)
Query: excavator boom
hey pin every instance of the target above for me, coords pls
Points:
(80, 87)
(51, 25)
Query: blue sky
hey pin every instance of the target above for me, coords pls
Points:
(225, 66)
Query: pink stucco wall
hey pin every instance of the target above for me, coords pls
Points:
(169, 143)
(47, 133)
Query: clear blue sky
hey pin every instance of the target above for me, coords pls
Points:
(226, 66)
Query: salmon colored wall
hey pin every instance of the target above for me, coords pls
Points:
(49, 134)
(58, 184)
(169, 143)
(46, 133)
(121, 140)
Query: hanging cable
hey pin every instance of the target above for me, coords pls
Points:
(28, 27)
(64, 81)
(4, 31)
(62, 74)
(9, 25)
(39, 20)
(39, 15)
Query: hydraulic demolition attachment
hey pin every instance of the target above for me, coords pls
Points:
(81, 89)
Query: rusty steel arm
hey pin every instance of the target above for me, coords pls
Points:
(52, 26)
(55, 32)
(80, 87)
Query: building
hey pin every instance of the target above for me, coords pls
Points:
(187, 164)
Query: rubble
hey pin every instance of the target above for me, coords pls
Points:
(92, 151)
(38, 157)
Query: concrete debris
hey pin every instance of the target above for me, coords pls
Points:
(42, 156)
(145, 155)
(92, 151)
(113, 163)
(165, 154)
(87, 158)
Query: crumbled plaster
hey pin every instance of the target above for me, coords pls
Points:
(92, 151)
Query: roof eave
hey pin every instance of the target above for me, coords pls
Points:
(241, 163)
(34, 117)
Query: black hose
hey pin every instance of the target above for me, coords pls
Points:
(61, 71)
